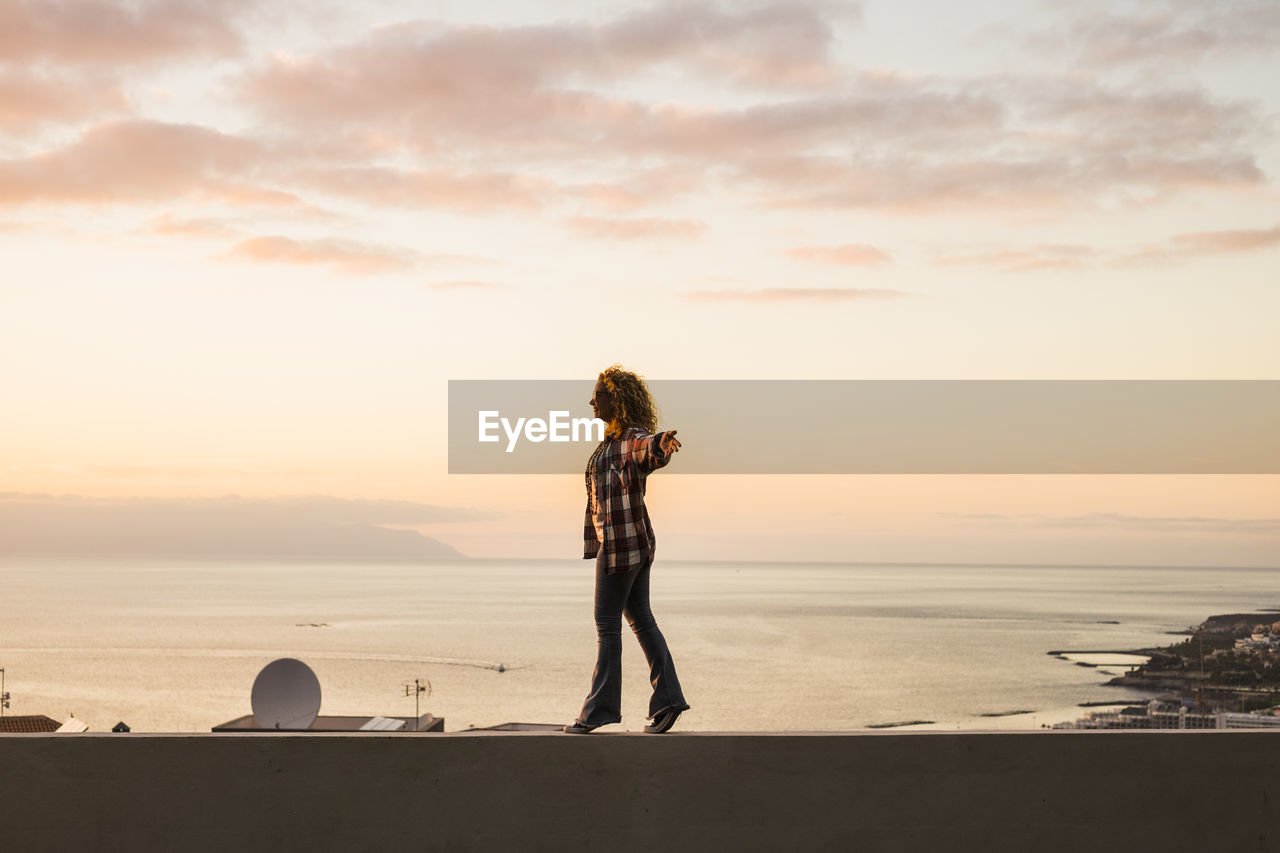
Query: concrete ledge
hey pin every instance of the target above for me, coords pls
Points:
(920, 791)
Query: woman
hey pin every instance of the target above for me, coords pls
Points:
(618, 535)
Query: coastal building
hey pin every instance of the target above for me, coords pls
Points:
(1166, 714)
(1267, 720)
(1259, 641)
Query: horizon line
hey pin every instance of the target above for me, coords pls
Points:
(467, 558)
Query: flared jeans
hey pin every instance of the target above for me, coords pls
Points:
(618, 595)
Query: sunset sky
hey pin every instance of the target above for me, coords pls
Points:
(247, 244)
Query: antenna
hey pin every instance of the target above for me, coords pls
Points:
(417, 689)
(1200, 692)
(286, 695)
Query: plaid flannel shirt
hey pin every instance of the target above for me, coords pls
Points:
(617, 521)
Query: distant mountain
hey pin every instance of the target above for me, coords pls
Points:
(231, 526)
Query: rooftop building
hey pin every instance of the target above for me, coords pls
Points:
(28, 723)
(425, 723)
(519, 727)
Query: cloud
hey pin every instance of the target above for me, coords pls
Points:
(484, 119)
(908, 143)
(642, 228)
(793, 294)
(347, 256)
(1001, 143)
(1039, 257)
(441, 189)
(777, 44)
(498, 77)
(1053, 181)
(1199, 244)
(82, 32)
(535, 92)
(312, 526)
(1065, 256)
(31, 99)
(608, 197)
(136, 161)
(1165, 34)
(1239, 240)
(850, 254)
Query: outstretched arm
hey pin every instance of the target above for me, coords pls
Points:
(650, 452)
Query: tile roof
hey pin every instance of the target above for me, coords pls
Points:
(28, 723)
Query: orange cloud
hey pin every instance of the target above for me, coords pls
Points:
(342, 255)
(849, 255)
(1241, 240)
(506, 91)
(644, 228)
(132, 161)
(793, 294)
(1002, 143)
(1024, 259)
(29, 99)
(477, 119)
(769, 46)
(608, 197)
(1176, 247)
(1199, 244)
(138, 161)
(488, 76)
(435, 188)
(1005, 143)
(1052, 182)
(106, 32)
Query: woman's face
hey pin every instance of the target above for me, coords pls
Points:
(602, 402)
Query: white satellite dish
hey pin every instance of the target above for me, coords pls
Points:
(286, 695)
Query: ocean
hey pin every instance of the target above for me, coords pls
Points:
(174, 644)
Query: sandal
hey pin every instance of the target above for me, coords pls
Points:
(664, 721)
(577, 728)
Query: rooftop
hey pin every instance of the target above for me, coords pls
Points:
(29, 723)
(1041, 790)
(355, 725)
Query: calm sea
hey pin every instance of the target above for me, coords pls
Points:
(175, 644)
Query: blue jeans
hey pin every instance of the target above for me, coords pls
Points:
(617, 595)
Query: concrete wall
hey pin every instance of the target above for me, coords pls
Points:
(920, 791)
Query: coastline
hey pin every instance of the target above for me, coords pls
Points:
(1147, 670)
(863, 647)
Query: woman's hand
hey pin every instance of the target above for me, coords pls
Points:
(669, 443)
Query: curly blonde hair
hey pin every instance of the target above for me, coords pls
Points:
(633, 405)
